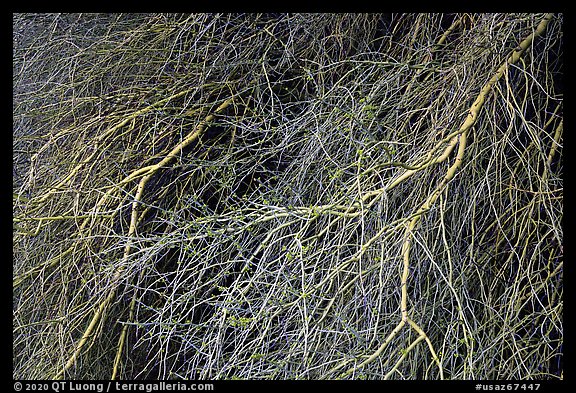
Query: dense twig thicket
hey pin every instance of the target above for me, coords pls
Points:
(287, 196)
